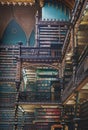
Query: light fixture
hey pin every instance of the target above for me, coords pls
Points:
(87, 6)
(14, 3)
(70, 102)
(41, 3)
(19, 3)
(8, 3)
(48, 106)
(21, 108)
(69, 54)
(31, 110)
(2, 3)
(68, 58)
(25, 3)
(31, 4)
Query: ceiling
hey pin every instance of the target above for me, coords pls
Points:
(70, 4)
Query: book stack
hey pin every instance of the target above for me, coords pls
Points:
(7, 105)
(46, 116)
(8, 63)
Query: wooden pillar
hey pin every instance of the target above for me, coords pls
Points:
(23, 121)
(76, 34)
(52, 94)
(36, 29)
(75, 51)
(18, 82)
(16, 106)
(61, 69)
(76, 102)
(76, 118)
(73, 46)
(19, 64)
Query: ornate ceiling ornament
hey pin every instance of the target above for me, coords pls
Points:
(41, 2)
(70, 4)
(19, 2)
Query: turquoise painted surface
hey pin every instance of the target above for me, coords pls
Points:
(54, 11)
(32, 39)
(13, 34)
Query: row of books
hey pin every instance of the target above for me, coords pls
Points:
(7, 63)
(84, 110)
(49, 35)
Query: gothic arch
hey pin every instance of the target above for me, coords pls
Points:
(31, 39)
(13, 33)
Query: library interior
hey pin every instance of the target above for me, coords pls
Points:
(44, 65)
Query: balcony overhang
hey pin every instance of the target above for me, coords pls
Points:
(82, 89)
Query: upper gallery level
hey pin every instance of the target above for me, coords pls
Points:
(44, 39)
(75, 59)
(31, 74)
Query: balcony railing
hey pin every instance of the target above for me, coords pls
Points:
(82, 71)
(68, 90)
(77, 9)
(30, 51)
(81, 74)
(40, 52)
(8, 55)
(48, 97)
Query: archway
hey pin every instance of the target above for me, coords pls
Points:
(13, 34)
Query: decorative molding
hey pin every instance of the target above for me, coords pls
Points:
(19, 2)
(41, 2)
(32, 2)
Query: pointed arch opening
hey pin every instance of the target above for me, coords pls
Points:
(13, 34)
(31, 40)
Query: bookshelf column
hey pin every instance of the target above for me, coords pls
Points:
(75, 50)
